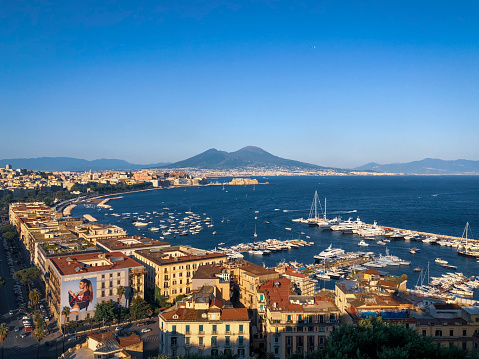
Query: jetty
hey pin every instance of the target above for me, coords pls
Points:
(67, 211)
(90, 218)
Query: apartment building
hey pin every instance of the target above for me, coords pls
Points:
(171, 269)
(205, 325)
(94, 232)
(294, 323)
(128, 245)
(81, 281)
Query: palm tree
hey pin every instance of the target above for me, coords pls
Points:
(34, 297)
(66, 313)
(90, 321)
(3, 334)
(39, 334)
(120, 291)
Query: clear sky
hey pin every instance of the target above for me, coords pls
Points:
(334, 83)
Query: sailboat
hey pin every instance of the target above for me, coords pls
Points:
(255, 235)
(314, 219)
(468, 250)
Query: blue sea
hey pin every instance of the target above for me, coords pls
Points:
(435, 204)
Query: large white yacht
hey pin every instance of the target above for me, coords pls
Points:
(329, 253)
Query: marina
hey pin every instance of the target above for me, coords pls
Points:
(235, 215)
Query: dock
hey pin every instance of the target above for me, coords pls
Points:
(426, 234)
(90, 218)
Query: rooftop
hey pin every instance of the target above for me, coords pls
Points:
(176, 255)
(90, 263)
(122, 243)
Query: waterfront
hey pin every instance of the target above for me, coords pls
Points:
(440, 205)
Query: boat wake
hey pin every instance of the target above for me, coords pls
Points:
(344, 212)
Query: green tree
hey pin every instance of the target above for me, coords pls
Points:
(374, 338)
(34, 297)
(3, 334)
(2, 282)
(105, 312)
(65, 313)
(120, 291)
(25, 276)
(139, 308)
(90, 322)
(39, 332)
(8, 228)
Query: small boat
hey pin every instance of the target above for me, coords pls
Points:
(381, 243)
(417, 269)
(362, 243)
(214, 233)
(441, 261)
(220, 244)
(288, 229)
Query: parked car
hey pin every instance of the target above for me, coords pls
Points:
(23, 335)
(17, 329)
(28, 329)
(146, 330)
(72, 338)
(11, 312)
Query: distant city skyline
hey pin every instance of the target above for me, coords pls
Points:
(328, 83)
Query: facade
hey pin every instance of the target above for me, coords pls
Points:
(294, 323)
(205, 325)
(302, 284)
(171, 270)
(81, 281)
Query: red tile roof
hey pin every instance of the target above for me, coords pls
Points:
(73, 264)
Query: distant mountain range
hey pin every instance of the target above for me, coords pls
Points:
(249, 156)
(73, 164)
(427, 166)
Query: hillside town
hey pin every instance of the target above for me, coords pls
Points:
(200, 302)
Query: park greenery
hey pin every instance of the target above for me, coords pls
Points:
(27, 275)
(372, 338)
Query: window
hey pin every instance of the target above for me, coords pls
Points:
(227, 341)
(438, 333)
(227, 328)
(451, 332)
(102, 293)
(201, 328)
(215, 328)
(289, 341)
(289, 329)
(288, 318)
(464, 333)
(241, 353)
(276, 350)
(424, 332)
(187, 340)
(118, 274)
(214, 341)
(187, 329)
(200, 340)
(214, 352)
(261, 297)
(111, 291)
(118, 282)
(166, 276)
(173, 328)
(261, 307)
(102, 276)
(111, 275)
(173, 341)
(240, 340)
(241, 328)
(321, 340)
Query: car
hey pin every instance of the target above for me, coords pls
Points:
(23, 335)
(21, 309)
(11, 312)
(17, 329)
(146, 330)
(28, 329)
(140, 324)
(72, 338)
(118, 328)
(26, 317)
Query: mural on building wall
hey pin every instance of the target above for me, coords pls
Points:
(79, 295)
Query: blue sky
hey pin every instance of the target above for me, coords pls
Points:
(150, 81)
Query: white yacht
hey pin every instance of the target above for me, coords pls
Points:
(329, 253)
(363, 243)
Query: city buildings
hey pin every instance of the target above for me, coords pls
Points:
(206, 325)
(170, 270)
(81, 281)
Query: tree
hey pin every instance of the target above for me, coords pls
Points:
(374, 338)
(39, 332)
(3, 334)
(2, 282)
(65, 313)
(90, 321)
(25, 276)
(120, 291)
(105, 312)
(139, 308)
(34, 297)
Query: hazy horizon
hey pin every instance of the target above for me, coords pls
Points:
(332, 84)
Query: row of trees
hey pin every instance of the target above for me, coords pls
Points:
(372, 338)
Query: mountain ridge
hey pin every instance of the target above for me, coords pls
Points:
(249, 156)
(426, 166)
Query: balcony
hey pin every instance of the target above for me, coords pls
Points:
(201, 332)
